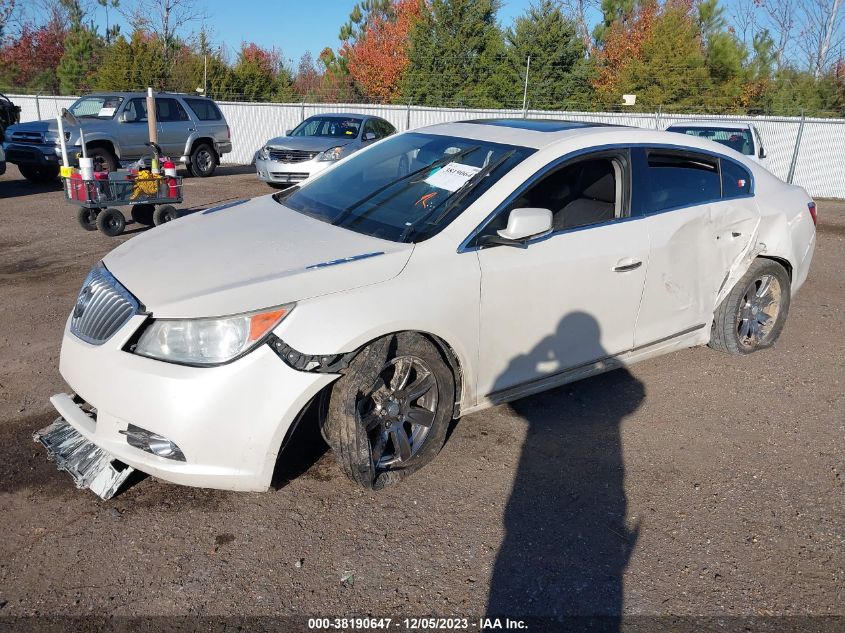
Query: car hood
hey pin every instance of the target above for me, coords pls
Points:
(50, 125)
(308, 143)
(248, 255)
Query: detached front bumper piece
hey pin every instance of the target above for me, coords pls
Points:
(88, 464)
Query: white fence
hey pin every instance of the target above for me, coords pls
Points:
(820, 166)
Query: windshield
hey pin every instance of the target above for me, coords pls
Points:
(332, 127)
(96, 106)
(739, 140)
(407, 188)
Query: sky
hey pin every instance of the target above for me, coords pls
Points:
(293, 26)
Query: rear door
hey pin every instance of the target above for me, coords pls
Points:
(174, 126)
(695, 236)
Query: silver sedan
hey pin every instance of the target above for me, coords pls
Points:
(315, 144)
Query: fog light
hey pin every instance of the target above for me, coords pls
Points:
(150, 442)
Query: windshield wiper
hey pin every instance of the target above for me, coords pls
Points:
(437, 163)
(452, 201)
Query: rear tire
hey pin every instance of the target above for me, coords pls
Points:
(143, 213)
(165, 213)
(87, 218)
(752, 315)
(203, 160)
(38, 173)
(111, 222)
(388, 415)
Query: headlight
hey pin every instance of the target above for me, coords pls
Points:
(264, 153)
(332, 154)
(208, 341)
(52, 138)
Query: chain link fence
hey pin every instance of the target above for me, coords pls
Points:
(810, 147)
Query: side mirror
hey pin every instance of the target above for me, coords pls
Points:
(127, 116)
(523, 224)
(287, 132)
(369, 136)
(762, 153)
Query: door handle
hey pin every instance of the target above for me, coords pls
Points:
(624, 268)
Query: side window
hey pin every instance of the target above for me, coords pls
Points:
(736, 181)
(580, 193)
(370, 127)
(204, 109)
(137, 110)
(679, 179)
(385, 128)
(170, 110)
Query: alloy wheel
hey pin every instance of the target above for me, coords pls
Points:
(758, 311)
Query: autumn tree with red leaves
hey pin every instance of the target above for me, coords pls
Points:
(31, 58)
(378, 58)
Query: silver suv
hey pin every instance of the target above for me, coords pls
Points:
(191, 129)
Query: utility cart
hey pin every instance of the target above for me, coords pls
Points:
(151, 199)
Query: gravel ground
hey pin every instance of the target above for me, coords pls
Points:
(694, 484)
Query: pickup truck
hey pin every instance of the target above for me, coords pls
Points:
(191, 129)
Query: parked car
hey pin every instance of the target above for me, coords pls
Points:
(2, 162)
(741, 137)
(439, 272)
(9, 114)
(191, 129)
(316, 143)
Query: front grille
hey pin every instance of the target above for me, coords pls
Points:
(102, 307)
(285, 176)
(35, 138)
(291, 155)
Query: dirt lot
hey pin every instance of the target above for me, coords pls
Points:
(695, 484)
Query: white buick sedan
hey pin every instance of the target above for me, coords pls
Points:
(439, 272)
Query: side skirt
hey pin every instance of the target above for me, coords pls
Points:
(687, 338)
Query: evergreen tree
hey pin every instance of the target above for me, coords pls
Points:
(551, 40)
(455, 48)
(82, 45)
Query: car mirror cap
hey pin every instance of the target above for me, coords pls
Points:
(526, 222)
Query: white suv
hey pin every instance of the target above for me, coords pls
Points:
(435, 273)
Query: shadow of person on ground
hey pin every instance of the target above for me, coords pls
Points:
(567, 542)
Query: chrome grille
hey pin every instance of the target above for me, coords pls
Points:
(27, 137)
(102, 307)
(291, 155)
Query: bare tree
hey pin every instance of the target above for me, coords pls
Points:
(7, 7)
(821, 31)
(166, 19)
(577, 11)
(745, 20)
(781, 20)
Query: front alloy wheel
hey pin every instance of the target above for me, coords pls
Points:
(388, 415)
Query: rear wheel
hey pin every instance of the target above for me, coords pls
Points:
(165, 213)
(143, 213)
(38, 173)
(203, 160)
(87, 218)
(111, 222)
(753, 314)
(388, 416)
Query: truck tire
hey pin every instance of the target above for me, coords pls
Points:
(103, 159)
(203, 160)
(38, 173)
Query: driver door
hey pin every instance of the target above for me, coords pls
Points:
(570, 297)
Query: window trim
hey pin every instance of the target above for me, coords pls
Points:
(466, 246)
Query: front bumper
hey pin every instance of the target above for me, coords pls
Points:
(229, 421)
(39, 155)
(279, 173)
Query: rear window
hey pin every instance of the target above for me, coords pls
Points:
(736, 181)
(680, 179)
(205, 109)
(737, 139)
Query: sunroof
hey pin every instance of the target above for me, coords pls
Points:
(537, 125)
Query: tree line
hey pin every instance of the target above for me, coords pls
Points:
(754, 56)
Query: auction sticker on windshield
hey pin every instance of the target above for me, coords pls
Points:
(452, 177)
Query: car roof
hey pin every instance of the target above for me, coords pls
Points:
(537, 125)
(535, 133)
(344, 115)
(132, 95)
(716, 123)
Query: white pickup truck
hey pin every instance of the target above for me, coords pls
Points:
(742, 137)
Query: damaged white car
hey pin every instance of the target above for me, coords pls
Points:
(437, 273)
